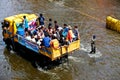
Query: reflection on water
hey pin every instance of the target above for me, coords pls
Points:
(90, 16)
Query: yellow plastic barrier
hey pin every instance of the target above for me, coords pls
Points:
(112, 23)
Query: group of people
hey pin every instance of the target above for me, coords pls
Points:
(51, 35)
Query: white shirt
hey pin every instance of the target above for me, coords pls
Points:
(28, 37)
(33, 40)
(39, 42)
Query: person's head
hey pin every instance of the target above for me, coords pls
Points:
(55, 22)
(54, 36)
(50, 19)
(2, 23)
(26, 33)
(29, 32)
(42, 27)
(94, 37)
(58, 29)
(65, 25)
(41, 14)
(24, 17)
(39, 29)
(7, 24)
(38, 37)
(53, 31)
(32, 36)
(5, 28)
(75, 27)
(69, 27)
(46, 35)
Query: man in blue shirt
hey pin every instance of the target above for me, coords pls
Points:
(46, 41)
(65, 30)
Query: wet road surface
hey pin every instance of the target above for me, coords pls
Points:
(90, 16)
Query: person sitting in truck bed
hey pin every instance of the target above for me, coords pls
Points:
(39, 40)
(46, 41)
(27, 35)
(65, 30)
(70, 35)
(33, 38)
(76, 33)
(54, 42)
(40, 33)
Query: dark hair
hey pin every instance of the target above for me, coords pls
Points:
(24, 16)
(46, 35)
(41, 27)
(7, 24)
(65, 24)
(1, 23)
(29, 33)
(50, 19)
(55, 21)
(75, 26)
(41, 14)
(94, 36)
(54, 37)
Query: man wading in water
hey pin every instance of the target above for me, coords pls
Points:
(93, 47)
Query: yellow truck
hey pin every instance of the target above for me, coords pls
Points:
(13, 36)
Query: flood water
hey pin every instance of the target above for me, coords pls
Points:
(90, 16)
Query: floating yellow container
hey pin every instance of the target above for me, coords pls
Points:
(112, 23)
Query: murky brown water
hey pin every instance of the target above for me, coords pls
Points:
(90, 16)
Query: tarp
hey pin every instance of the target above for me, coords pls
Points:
(28, 44)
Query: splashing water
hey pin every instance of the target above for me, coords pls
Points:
(96, 55)
(12, 52)
(88, 49)
(53, 75)
(76, 59)
(85, 48)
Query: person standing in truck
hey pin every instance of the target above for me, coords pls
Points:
(41, 20)
(25, 23)
(50, 23)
